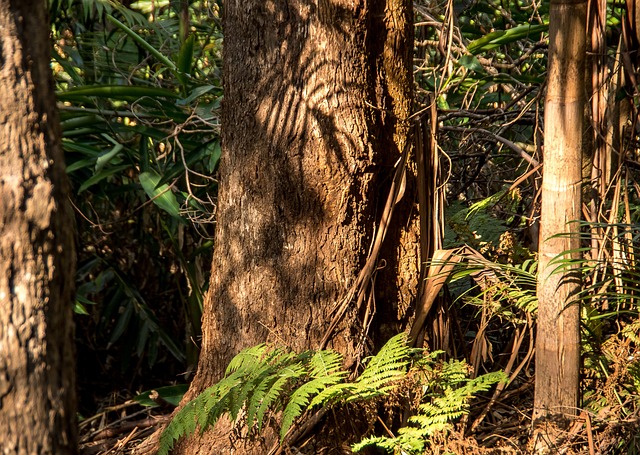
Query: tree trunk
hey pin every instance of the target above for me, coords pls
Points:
(37, 258)
(317, 101)
(558, 333)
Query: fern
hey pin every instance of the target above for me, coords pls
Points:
(448, 401)
(634, 372)
(382, 372)
(259, 386)
(453, 402)
(509, 286)
(259, 380)
(246, 359)
(254, 379)
(632, 330)
(325, 372)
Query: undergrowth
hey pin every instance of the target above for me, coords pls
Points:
(263, 381)
(445, 391)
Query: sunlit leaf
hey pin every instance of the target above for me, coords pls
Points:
(161, 195)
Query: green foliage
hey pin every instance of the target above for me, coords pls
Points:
(471, 226)
(171, 394)
(261, 380)
(634, 372)
(484, 222)
(448, 391)
(124, 315)
(324, 373)
(507, 288)
(138, 107)
(159, 193)
(499, 38)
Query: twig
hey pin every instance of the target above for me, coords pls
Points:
(587, 420)
(128, 426)
(513, 146)
(501, 386)
(361, 285)
(300, 432)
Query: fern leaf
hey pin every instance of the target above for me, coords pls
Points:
(286, 376)
(214, 401)
(246, 358)
(255, 384)
(436, 415)
(284, 373)
(393, 353)
(379, 384)
(332, 393)
(259, 389)
(411, 440)
(215, 408)
(183, 423)
(382, 370)
(299, 400)
(631, 331)
(324, 363)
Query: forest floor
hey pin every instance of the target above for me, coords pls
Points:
(506, 429)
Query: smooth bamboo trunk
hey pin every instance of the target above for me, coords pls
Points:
(558, 330)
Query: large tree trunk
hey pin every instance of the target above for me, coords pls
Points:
(317, 100)
(558, 333)
(37, 259)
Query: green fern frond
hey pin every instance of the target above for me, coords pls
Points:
(326, 373)
(451, 391)
(260, 390)
(453, 402)
(634, 372)
(409, 443)
(210, 405)
(287, 376)
(632, 330)
(216, 400)
(383, 369)
(408, 435)
(324, 363)
(333, 394)
(246, 358)
(508, 286)
(433, 418)
(183, 422)
(379, 376)
(258, 380)
(454, 372)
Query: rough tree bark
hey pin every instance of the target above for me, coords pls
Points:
(317, 101)
(37, 259)
(558, 332)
